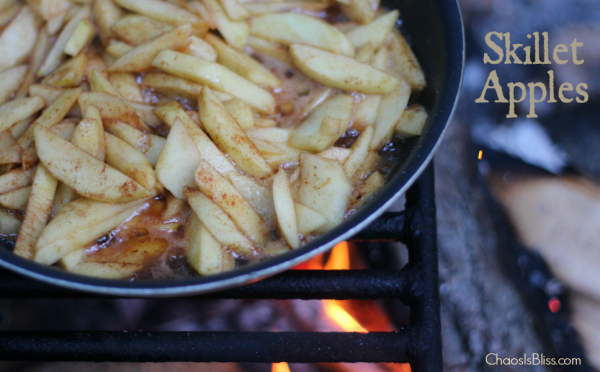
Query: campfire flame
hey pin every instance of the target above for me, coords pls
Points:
(280, 367)
(339, 259)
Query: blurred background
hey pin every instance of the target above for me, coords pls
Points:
(518, 228)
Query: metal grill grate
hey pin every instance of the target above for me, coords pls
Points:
(416, 285)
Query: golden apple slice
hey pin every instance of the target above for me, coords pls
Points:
(366, 190)
(118, 49)
(404, 62)
(82, 36)
(341, 72)
(106, 15)
(129, 161)
(337, 153)
(172, 85)
(227, 134)
(201, 49)
(78, 224)
(316, 133)
(89, 136)
(178, 160)
(278, 7)
(360, 148)
(218, 223)
(324, 187)
(225, 195)
(284, 208)
(269, 134)
(293, 28)
(217, 77)
(18, 110)
(37, 57)
(208, 150)
(308, 219)
(9, 224)
(127, 86)
(242, 64)
(365, 53)
(140, 59)
(241, 112)
(10, 81)
(69, 74)
(359, 11)
(412, 121)
(112, 108)
(52, 115)
(235, 10)
(235, 32)
(18, 38)
(64, 195)
(259, 196)
(271, 49)
(10, 151)
(84, 173)
(54, 56)
(16, 199)
(148, 144)
(15, 179)
(204, 252)
(366, 112)
(37, 213)
(137, 29)
(389, 113)
(375, 32)
(165, 12)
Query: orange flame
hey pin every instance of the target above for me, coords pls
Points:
(280, 367)
(340, 260)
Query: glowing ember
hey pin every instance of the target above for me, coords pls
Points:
(280, 367)
(554, 305)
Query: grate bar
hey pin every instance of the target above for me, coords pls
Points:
(255, 347)
(292, 284)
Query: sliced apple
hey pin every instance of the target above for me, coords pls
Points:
(308, 220)
(165, 12)
(324, 187)
(366, 190)
(112, 108)
(127, 86)
(241, 112)
(9, 224)
(178, 160)
(204, 252)
(366, 112)
(375, 32)
(218, 223)
(341, 72)
(360, 148)
(18, 38)
(15, 179)
(259, 196)
(389, 113)
(412, 121)
(52, 115)
(84, 173)
(172, 85)
(315, 133)
(284, 208)
(208, 150)
(18, 110)
(78, 224)
(148, 144)
(129, 161)
(69, 74)
(16, 199)
(37, 212)
(228, 135)
(292, 28)
(106, 14)
(217, 77)
(140, 59)
(10, 81)
(242, 64)
(138, 29)
(235, 32)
